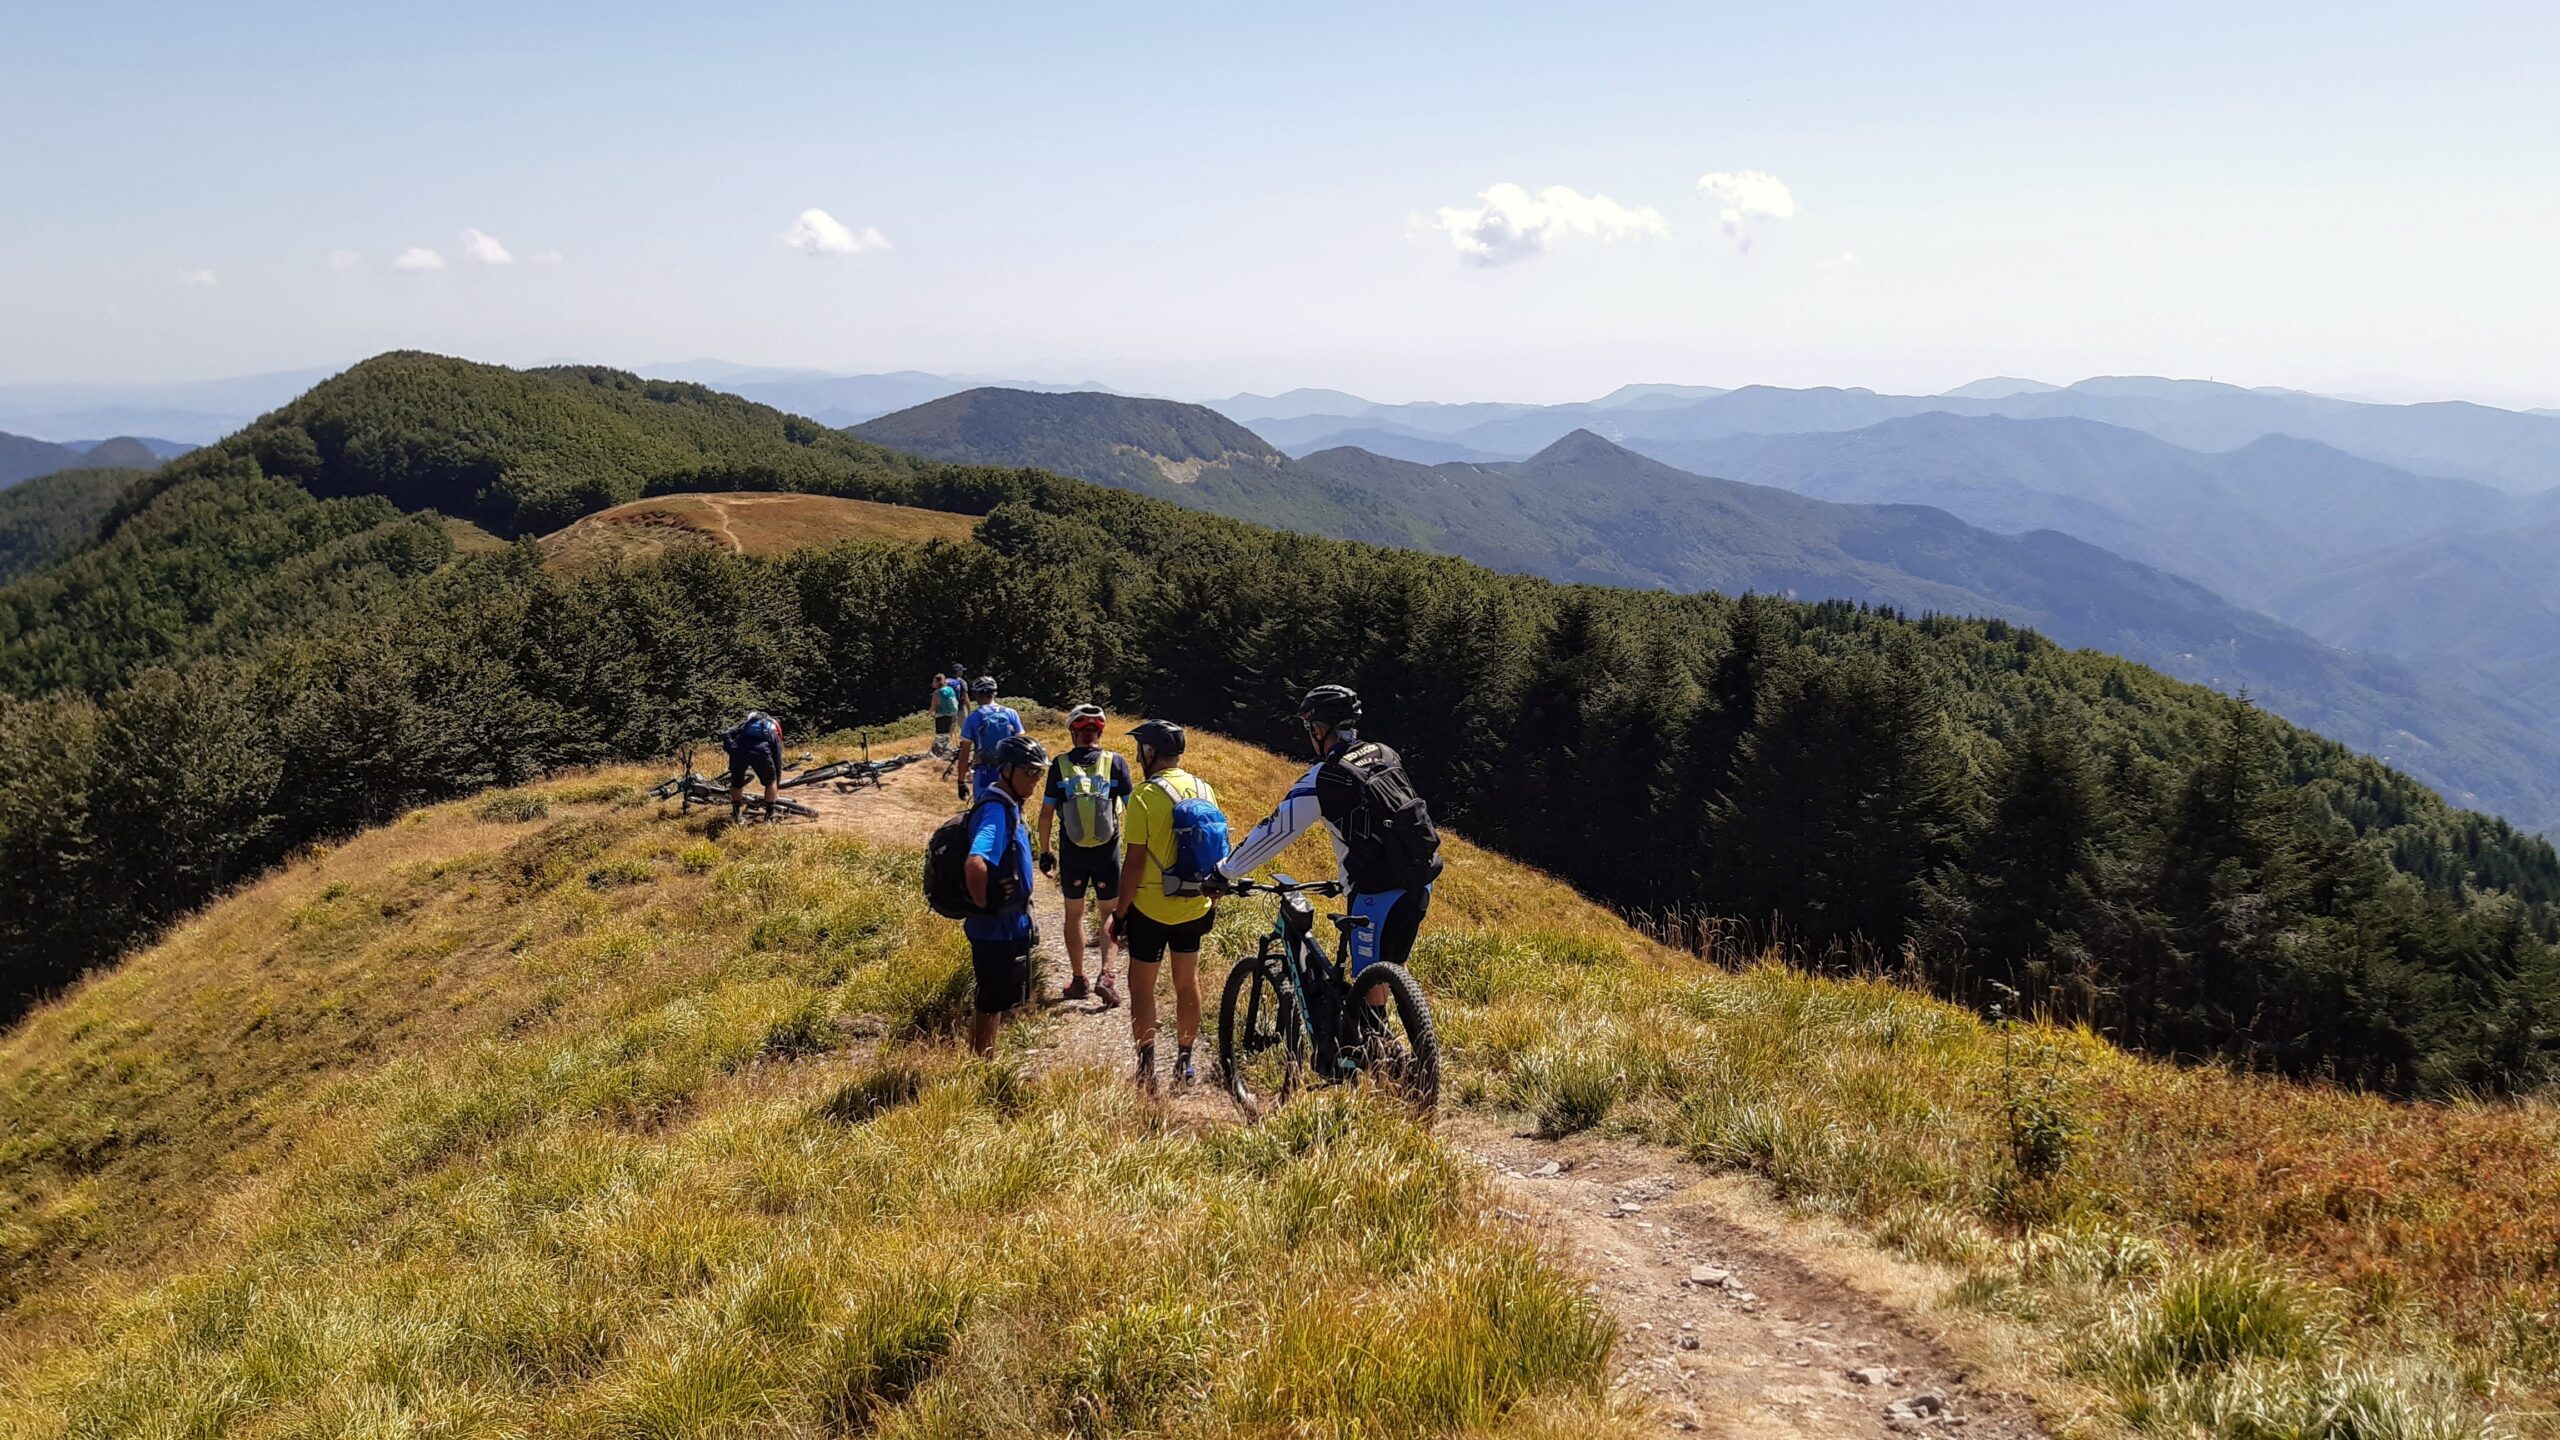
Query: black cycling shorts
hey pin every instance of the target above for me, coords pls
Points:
(1004, 973)
(758, 762)
(1146, 939)
(942, 723)
(1089, 870)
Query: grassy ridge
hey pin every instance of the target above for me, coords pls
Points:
(2403, 1253)
(547, 1114)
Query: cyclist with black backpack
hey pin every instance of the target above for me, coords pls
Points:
(997, 874)
(1382, 832)
(1176, 836)
(1087, 786)
(755, 748)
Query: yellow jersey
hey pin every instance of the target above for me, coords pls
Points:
(1148, 826)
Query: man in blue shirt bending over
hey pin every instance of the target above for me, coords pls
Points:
(998, 875)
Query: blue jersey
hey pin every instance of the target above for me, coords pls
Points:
(998, 836)
(987, 727)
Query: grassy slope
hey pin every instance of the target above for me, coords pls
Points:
(759, 524)
(546, 1113)
(503, 1117)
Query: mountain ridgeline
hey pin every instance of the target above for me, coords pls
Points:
(252, 658)
(1586, 510)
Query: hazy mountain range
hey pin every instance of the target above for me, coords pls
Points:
(1586, 509)
(25, 458)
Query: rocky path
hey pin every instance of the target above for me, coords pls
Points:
(1729, 1324)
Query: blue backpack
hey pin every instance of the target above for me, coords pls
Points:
(1199, 841)
(1003, 725)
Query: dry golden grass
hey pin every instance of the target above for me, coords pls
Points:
(2425, 1239)
(583, 1115)
(547, 1113)
(749, 522)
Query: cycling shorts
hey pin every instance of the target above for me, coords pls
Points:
(1146, 940)
(1395, 917)
(1089, 870)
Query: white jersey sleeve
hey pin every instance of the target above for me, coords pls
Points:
(1296, 813)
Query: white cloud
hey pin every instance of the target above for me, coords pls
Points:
(816, 232)
(1845, 260)
(548, 257)
(195, 277)
(345, 260)
(1746, 198)
(1511, 224)
(417, 257)
(482, 246)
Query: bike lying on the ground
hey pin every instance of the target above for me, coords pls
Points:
(851, 775)
(693, 789)
(1291, 1013)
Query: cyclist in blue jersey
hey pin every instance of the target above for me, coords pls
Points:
(755, 748)
(998, 874)
(986, 728)
(1382, 832)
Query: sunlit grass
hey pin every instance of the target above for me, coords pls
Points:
(678, 1144)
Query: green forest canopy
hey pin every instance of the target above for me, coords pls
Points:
(246, 661)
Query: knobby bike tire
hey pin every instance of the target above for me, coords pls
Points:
(1407, 1064)
(1256, 1018)
(775, 809)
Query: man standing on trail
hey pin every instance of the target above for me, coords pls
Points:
(980, 734)
(1156, 913)
(998, 874)
(1087, 786)
(1382, 832)
(946, 713)
(755, 746)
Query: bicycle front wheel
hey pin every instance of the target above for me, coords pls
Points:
(1261, 1045)
(1396, 1047)
(779, 809)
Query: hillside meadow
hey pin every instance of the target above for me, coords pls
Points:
(544, 1110)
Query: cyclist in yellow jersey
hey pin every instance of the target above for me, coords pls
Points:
(1152, 924)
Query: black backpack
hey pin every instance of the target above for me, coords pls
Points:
(1391, 835)
(946, 863)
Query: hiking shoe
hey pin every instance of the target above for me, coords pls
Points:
(1107, 991)
(1184, 1076)
(1146, 1076)
(1075, 990)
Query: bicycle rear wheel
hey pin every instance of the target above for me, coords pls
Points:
(780, 809)
(1261, 1045)
(1397, 1047)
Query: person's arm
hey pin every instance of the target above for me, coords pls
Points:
(1049, 797)
(1267, 840)
(1135, 837)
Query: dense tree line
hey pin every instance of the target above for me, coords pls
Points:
(240, 667)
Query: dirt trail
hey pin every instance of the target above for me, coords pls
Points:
(1729, 1324)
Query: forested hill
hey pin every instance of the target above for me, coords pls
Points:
(241, 667)
(1584, 509)
(526, 451)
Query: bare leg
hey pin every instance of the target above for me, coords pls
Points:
(1186, 998)
(1142, 1002)
(982, 1033)
(1075, 939)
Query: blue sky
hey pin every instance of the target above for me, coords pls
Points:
(1198, 199)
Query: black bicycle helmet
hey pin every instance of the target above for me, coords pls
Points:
(1021, 750)
(1332, 705)
(1161, 736)
(983, 685)
(1085, 715)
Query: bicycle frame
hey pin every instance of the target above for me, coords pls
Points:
(1315, 984)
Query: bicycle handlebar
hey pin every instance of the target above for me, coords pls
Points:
(1326, 888)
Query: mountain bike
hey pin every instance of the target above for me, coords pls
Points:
(693, 789)
(1291, 1014)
